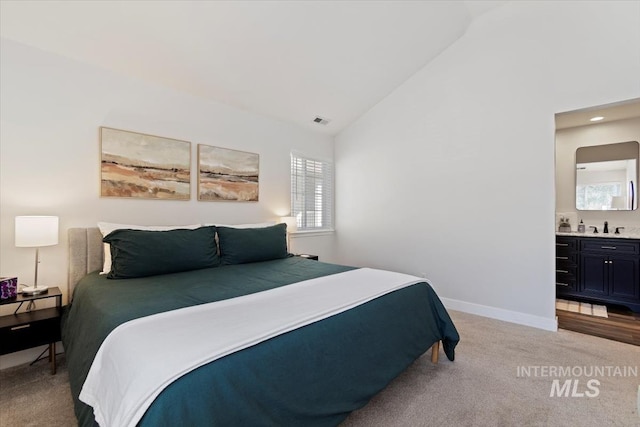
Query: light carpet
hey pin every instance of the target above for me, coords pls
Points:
(487, 384)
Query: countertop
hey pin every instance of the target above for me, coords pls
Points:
(601, 235)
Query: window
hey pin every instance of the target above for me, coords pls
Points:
(311, 193)
(596, 196)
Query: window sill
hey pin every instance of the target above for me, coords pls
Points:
(312, 233)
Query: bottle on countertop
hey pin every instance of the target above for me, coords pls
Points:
(581, 227)
(606, 227)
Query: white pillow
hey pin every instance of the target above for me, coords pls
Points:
(108, 227)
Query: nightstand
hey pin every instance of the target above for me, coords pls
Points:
(308, 256)
(20, 331)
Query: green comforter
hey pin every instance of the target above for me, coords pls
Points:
(315, 375)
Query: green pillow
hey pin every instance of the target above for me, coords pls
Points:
(139, 253)
(243, 245)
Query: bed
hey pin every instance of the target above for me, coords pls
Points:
(311, 375)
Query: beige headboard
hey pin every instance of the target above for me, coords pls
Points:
(85, 254)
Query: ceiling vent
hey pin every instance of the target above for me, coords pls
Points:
(321, 120)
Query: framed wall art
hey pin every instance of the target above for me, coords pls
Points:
(144, 166)
(225, 174)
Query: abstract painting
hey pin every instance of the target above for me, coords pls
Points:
(144, 166)
(225, 174)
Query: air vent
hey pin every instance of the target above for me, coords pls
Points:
(321, 120)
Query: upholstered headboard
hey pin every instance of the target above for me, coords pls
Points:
(85, 254)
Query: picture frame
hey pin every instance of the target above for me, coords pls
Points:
(138, 165)
(228, 175)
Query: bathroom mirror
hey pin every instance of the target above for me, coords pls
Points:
(607, 177)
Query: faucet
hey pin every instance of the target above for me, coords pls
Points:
(618, 230)
(606, 227)
(595, 229)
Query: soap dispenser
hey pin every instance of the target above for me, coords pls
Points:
(581, 227)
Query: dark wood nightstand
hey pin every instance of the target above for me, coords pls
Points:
(308, 256)
(20, 331)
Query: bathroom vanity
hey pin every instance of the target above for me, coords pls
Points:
(599, 268)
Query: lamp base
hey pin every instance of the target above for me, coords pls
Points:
(30, 290)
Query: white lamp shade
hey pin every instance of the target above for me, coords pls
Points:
(292, 224)
(36, 231)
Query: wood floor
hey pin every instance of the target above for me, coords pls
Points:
(621, 325)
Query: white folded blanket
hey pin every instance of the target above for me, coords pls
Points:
(127, 373)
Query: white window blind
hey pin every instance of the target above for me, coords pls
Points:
(311, 192)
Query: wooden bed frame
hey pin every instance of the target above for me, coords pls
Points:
(86, 255)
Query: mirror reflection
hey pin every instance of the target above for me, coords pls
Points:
(607, 177)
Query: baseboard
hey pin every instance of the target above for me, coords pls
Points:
(502, 314)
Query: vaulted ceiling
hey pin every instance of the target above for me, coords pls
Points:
(288, 60)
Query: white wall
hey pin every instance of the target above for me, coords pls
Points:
(567, 141)
(453, 173)
(51, 110)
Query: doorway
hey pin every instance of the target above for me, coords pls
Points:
(595, 127)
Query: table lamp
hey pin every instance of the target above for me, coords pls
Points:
(36, 232)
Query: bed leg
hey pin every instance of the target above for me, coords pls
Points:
(435, 348)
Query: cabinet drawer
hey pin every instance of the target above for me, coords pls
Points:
(23, 335)
(566, 286)
(610, 246)
(568, 280)
(568, 271)
(566, 244)
(564, 261)
(564, 251)
(566, 283)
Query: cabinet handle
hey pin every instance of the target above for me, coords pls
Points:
(562, 244)
(561, 271)
(561, 284)
(608, 247)
(15, 328)
(562, 257)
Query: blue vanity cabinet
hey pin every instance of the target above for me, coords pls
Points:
(611, 268)
(607, 270)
